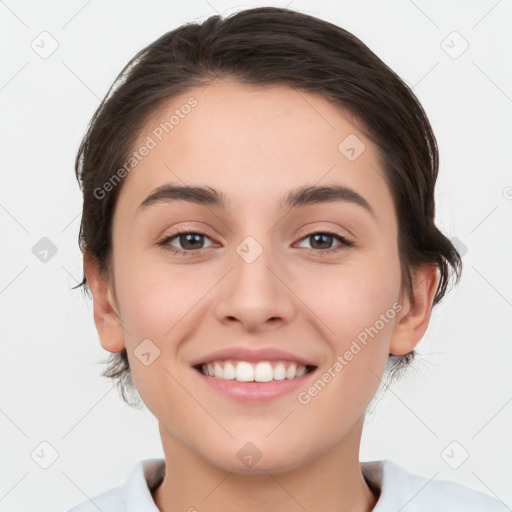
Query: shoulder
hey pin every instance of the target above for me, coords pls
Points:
(134, 495)
(409, 492)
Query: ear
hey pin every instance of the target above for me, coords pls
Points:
(106, 315)
(414, 317)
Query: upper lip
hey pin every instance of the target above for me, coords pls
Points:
(251, 355)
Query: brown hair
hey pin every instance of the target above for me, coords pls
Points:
(270, 45)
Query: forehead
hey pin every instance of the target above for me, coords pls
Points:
(254, 144)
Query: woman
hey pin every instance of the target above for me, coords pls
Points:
(259, 240)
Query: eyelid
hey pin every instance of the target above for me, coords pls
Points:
(165, 241)
(345, 243)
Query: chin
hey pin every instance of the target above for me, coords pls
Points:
(248, 459)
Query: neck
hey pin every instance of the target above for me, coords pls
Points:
(332, 481)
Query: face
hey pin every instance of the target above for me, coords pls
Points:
(318, 279)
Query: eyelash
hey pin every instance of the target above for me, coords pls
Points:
(345, 243)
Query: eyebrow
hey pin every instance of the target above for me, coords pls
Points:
(303, 196)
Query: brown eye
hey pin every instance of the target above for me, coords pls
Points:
(322, 242)
(189, 242)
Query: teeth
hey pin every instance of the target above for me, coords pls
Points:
(263, 372)
(229, 371)
(301, 371)
(280, 372)
(217, 370)
(292, 371)
(243, 371)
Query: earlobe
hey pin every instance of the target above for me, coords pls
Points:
(106, 315)
(413, 321)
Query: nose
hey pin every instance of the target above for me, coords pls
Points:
(256, 290)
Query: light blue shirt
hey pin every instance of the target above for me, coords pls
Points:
(399, 491)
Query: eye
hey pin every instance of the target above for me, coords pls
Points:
(323, 238)
(188, 239)
(191, 241)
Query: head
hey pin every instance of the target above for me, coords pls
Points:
(255, 105)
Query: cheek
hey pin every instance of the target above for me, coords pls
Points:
(359, 303)
(158, 305)
(349, 298)
(156, 297)
(359, 306)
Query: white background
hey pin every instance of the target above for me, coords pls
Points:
(51, 389)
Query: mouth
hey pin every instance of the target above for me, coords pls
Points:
(261, 371)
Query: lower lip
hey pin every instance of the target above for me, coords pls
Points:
(255, 392)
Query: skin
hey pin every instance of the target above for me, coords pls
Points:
(255, 144)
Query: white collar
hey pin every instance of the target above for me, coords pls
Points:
(399, 490)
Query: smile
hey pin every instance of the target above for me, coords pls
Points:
(263, 371)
